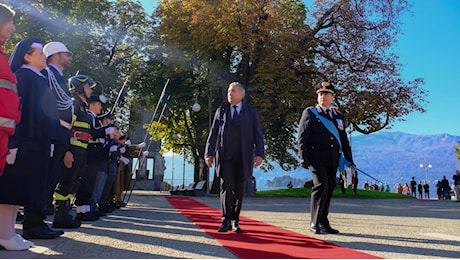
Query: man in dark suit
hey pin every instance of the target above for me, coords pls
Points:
(320, 144)
(236, 144)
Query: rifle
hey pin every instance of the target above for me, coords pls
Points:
(137, 166)
(120, 93)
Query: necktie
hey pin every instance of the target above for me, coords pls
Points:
(235, 112)
(328, 113)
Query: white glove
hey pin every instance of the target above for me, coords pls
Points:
(109, 130)
(11, 157)
(124, 160)
(141, 145)
(51, 150)
(123, 150)
(145, 153)
(113, 148)
(128, 142)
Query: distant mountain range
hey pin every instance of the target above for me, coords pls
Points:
(391, 157)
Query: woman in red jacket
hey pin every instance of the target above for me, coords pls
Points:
(9, 117)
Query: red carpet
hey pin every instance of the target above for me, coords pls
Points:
(261, 240)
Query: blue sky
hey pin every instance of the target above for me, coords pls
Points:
(429, 48)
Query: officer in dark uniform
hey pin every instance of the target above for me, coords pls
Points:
(81, 87)
(115, 151)
(59, 58)
(98, 152)
(320, 152)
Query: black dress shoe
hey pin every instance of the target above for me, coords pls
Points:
(99, 213)
(225, 226)
(235, 227)
(87, 216)
(329, 229)
(105, 208)
(41, 232)
(315, 229)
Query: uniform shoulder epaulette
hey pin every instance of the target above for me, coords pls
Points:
(337, 111)
(308, 108)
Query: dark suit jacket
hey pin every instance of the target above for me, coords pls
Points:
(316, 144)
(252, 141)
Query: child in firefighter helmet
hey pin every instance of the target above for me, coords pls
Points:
(81, 84)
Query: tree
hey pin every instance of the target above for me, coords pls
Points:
(279, 51)
(108, 38)
(354, 41)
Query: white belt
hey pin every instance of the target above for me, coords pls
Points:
(65, 124)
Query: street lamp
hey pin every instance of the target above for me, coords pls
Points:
(427, 166)
(196, 107)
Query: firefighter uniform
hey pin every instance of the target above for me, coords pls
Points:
(79, 138)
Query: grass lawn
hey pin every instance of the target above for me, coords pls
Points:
(306, 193)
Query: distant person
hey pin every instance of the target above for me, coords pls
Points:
(376, 187)
(289, 185)
(456, 178)
(399, 188)
(426, 188)
(406, 189)
(386, 187)
(236, 144)
(322, 139)
(343, 182)
(439, 190)
(413, 187)
(366, 185)
(420, 190)
(354, 179)
(445, 187)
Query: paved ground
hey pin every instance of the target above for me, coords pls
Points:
(150, 228)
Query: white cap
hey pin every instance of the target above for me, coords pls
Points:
(55, 47)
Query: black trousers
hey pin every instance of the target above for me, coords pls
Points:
(69, 178)
(56, 165)
(87, 183)
(108, 186)
(321, 194)
(33, 217)
(232, 183)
